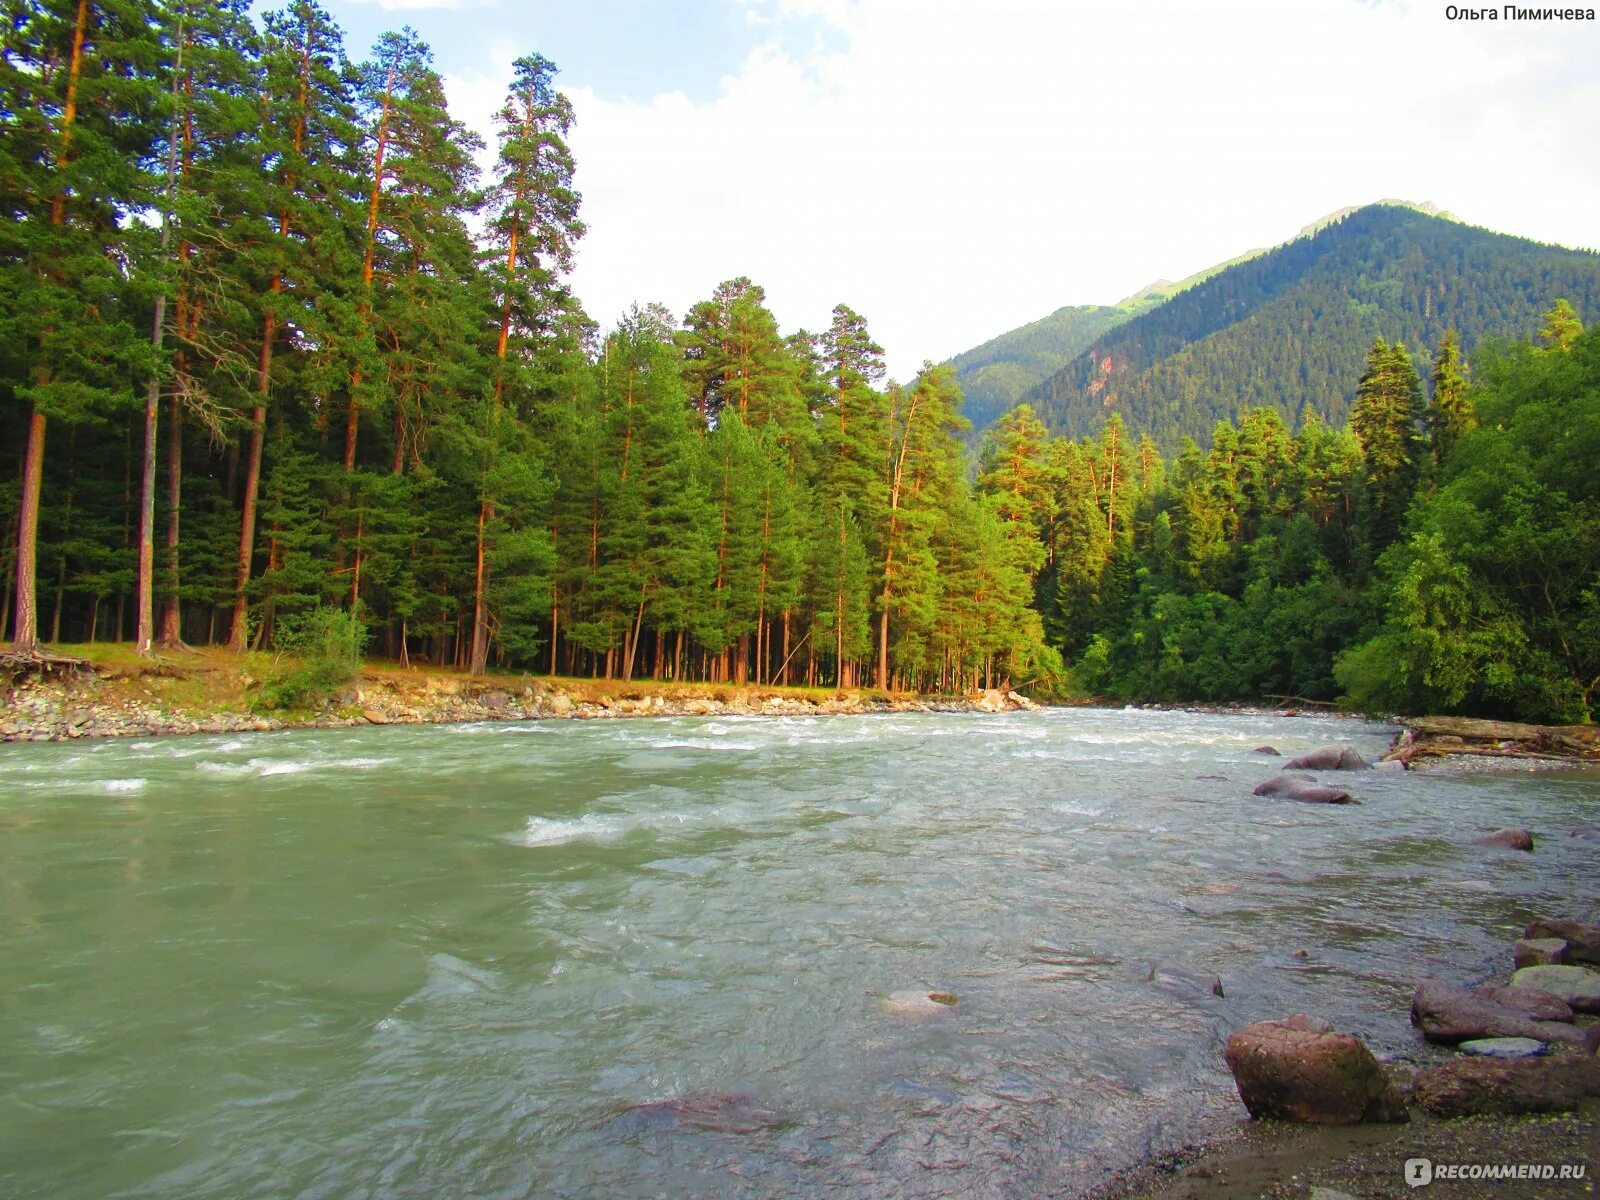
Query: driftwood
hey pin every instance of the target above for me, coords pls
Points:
(1434, 737)
(15, 665)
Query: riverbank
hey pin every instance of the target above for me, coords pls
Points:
(108, 691)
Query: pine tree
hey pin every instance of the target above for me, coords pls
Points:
(1561, 326)
(1384, 420)
(1450, 410)
(80, 109)
(535, 220)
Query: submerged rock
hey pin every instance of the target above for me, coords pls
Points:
(1586, 833)
(1488, 1086)
(1300, 1069)
(1450, 1014)
(918, 1004)
(721, 1112)
(1182, 978)
(1328, 758)
(1506, 839)
(1578, 986)
(1268, 750)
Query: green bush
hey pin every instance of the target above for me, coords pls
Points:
(318, 653)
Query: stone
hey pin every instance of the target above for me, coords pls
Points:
(1578, 986)
(1272, 751)
(1503, 1047)
(1328, 758)
(375, 716)
(1540, 952)
(918, 1004)
(1450, 1014)
(700, 707)
(1302, 788)
(559, 705)
(1585, 833)
(494, 701)
(1583, 941)
(1326, 1193)
(1506, 839)
(991, 701)
(1530, 1002)
(720, 1112)
(1181, 978)
(1300, 1069)
(1489, 1086)
(1390, 764)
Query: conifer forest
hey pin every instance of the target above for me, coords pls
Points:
(276, 354)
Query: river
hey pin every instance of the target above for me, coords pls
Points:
(486, 959)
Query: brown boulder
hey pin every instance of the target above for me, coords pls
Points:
(1506, 839)
(1450, 1014)
(1302, 788)
(1539, 952)
(1583, 941)
(1299, 1069)
(1472, 1086)
(1328, 758)
(1530, 1002)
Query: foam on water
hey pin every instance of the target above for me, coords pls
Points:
(543, 831)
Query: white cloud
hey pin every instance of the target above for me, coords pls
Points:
(410, 5)
(956, 170)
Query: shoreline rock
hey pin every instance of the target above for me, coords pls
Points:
(1301, 1070)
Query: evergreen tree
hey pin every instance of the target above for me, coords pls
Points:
(1384, 420)
(1449, 414)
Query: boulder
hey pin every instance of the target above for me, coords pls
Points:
(1540, 952)
(375, 716)
(992, 701)
(1178, 977)
(1586, 833)
(1302, 788)
(699, 707)
(1450, 1014)
(1488, 1086)
(1506, 839)
(1578, 986)
(1268, 750)
(1278, 784)
(1530, 1002)
(1583, 941)
(1300, 1069)
(1503, 1047)
(494, 701)
(1328, 758)
(559, 705)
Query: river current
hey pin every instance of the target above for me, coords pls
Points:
(651, 957)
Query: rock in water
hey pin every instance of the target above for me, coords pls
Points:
(1451, 1014)
(1269, 750)
(1506, 839)
(1583, 941)
(1503, 1047)
(1302, 788)
(918, 1004)
(1586, 833)
(722, 1112)
(1473, 1086)
(1540, 952)
(1328, 758)
(1180, 978)
(1578, 986)
(1299, 1069)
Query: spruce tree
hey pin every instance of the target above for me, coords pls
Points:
(1449, 413)
(1385, 421)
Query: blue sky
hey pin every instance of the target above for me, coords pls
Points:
(952, 169)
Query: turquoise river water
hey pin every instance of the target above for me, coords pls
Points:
(650, 957)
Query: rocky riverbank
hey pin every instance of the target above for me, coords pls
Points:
(208, 692)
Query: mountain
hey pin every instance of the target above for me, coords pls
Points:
(996, 375)
(1291, 326)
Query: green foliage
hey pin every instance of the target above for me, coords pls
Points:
(319, 652)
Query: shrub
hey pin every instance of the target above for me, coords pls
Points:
(318, 653)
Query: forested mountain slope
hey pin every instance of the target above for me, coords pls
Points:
(1290, 327)
(995, 375)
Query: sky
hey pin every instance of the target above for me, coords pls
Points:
(952, 170)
